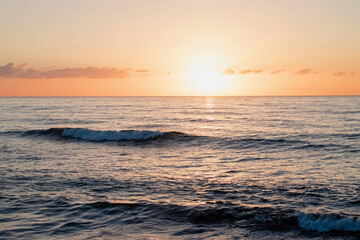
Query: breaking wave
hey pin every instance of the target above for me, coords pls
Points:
(328, 222)
(104, 135)
(230, 142)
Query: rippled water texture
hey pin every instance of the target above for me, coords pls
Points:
(180, 168)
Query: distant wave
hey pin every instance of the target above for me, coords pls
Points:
(255, 142)
(104, 135)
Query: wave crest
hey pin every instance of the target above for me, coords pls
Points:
(105, 135)
(327, 223)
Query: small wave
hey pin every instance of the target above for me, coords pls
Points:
(107, 135)
(60, 212)
(316, 146)
(355, 202)
(212, 215)
(348, 135)
(259, 142)
(327, 223)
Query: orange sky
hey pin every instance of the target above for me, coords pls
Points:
(165, 48)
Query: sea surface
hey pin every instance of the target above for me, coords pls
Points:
(180, 168)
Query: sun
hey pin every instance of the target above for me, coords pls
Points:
(204, 79)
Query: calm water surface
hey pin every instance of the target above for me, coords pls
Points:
(180, 168)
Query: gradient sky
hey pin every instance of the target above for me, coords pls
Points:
(187, 47)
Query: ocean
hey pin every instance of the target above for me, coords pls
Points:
(180, 168)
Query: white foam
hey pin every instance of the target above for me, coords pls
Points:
(326, 223)
(97, 135)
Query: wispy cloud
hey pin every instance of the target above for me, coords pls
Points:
(340, 74)
(11, 70)
(142, 71)
(278, 71)
(246, 71)
(304, 71)
(229, 71)
(343, 74)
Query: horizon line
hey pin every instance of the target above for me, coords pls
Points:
(325, 95)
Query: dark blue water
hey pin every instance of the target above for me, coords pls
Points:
(180, 168)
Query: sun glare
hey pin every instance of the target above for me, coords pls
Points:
(205, 80)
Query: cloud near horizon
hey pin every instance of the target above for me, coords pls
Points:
(304, 71)
(229, 71)
(277, 71)
(11, 70)
(246, 71)
(340, 74)
(142, 71)
(343, 74)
